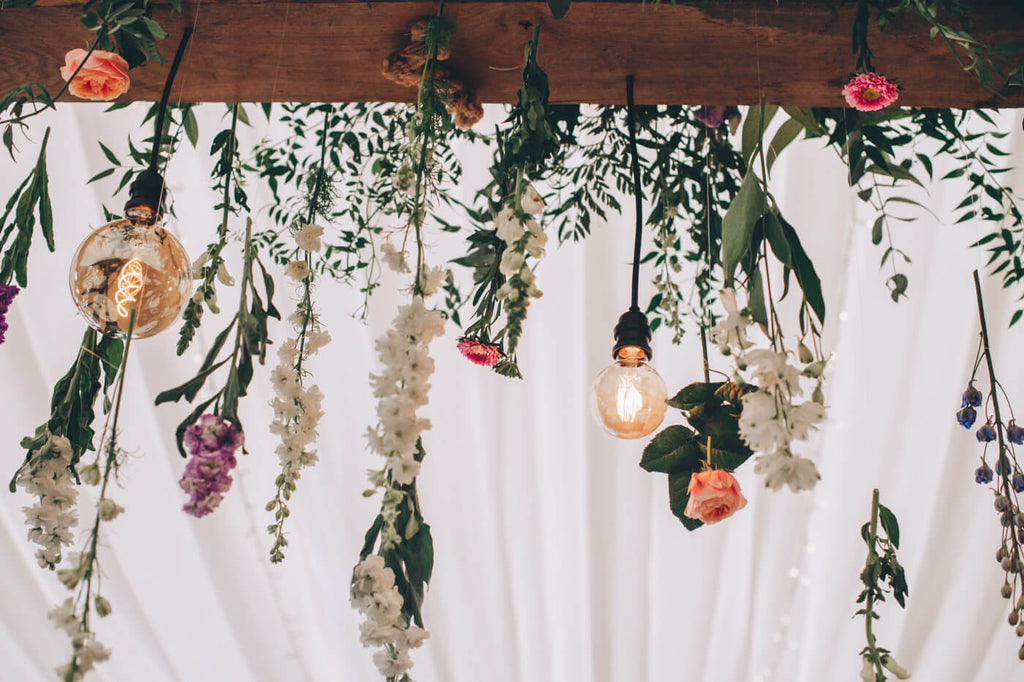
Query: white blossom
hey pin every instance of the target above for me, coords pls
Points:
(308, 237)
(730, 332)
(890, 664)
(511, 262)
(47, 477)
(393, 258)
(532, 202)
(297, 270)
(782, 468)
(508, 226)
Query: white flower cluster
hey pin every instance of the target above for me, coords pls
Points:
(297, 408)
(307, 237)
(48, 478)
(86, 651)
(401, 388)
(772, 418)
(521, 239)
(375, 596)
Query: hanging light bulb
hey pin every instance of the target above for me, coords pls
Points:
(132, 264)
(629, 398)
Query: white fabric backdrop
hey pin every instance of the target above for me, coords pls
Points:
(557, 558)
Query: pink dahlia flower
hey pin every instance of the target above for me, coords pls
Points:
(478, 352)
(870, 92)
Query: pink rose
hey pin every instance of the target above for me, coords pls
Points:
(103, 77)
(714, 495)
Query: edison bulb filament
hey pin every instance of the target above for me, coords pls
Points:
(129, 285)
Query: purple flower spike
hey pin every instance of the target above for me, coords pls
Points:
(967, 416)
(212, 443)
(7, 294)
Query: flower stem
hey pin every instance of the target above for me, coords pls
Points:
(869, 606)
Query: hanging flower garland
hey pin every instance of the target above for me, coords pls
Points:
(503, 277)
(297, 407)
(396, 561)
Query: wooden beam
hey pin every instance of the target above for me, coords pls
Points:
(796, 53)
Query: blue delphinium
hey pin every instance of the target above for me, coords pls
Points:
(986, 434)
(1014, 433)
(1018, 482)
(966, 417)
(983, 474)
(972, 397)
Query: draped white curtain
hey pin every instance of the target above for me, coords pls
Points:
(557, 558)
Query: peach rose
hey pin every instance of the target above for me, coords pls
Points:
(714, 495)
(104, 76)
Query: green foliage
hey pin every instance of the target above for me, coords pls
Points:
(712, 441)
(250, 341)
(128, 27)
(225, 150)
(411, 559)
(72, 405)
(882, 573)
(12, 105)
(29, 203)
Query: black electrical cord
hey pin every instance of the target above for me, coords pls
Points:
(631, 121)
(154, 157)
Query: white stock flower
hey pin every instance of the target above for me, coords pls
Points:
(511, 262)
(890, 664)
(391, 664)
(308, 238)
(535, 244)
(508, 227)
(802, 419)
(867, 671)
(772, 370)
(404, 468)
(393, 258)
(782, 468)
(730, 332)
(430, 280)
(297, 270)
(760, 425)
(532, 201)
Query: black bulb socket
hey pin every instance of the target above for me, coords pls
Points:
(633, 330)
(147, 190)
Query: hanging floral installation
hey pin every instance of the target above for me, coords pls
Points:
(360, 187)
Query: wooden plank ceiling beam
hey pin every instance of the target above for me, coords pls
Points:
(796, 53)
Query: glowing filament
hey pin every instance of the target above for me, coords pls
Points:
(628, 403)
(129, 283)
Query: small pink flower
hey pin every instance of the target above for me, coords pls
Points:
(478, 352)
(870, 92)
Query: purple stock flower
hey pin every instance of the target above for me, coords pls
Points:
(972, 397)
(1014, 433)
(986, 434)
(713, 116)
(212, 443)
(7, 294)
(967, 416)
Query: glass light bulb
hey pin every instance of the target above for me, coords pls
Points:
(629, 398)
(131, 264)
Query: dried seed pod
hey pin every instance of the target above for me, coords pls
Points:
(1006, 591)
(1000, 554)
(398, 70)
(1013, 618)
(1020, 629)
(466, 109)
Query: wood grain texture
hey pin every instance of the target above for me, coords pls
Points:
(797, 53)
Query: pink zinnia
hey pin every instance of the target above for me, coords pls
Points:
(478, 352)
(870, 92)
